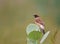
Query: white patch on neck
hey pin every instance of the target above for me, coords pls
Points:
(41, 26)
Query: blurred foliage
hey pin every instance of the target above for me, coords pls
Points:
(42, 5)
(57, 3)
(58, 20)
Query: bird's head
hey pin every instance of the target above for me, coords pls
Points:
(35, 16)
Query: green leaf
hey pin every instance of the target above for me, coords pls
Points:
(35, 35)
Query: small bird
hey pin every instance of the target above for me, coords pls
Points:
(40, 23)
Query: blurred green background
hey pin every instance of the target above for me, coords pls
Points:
(15, 15)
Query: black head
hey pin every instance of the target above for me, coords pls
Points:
(35, 16)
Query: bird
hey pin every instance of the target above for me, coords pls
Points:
(38, 21)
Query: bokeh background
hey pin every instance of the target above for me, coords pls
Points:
(15, 15)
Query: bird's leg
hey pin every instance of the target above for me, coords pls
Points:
(43, 31)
